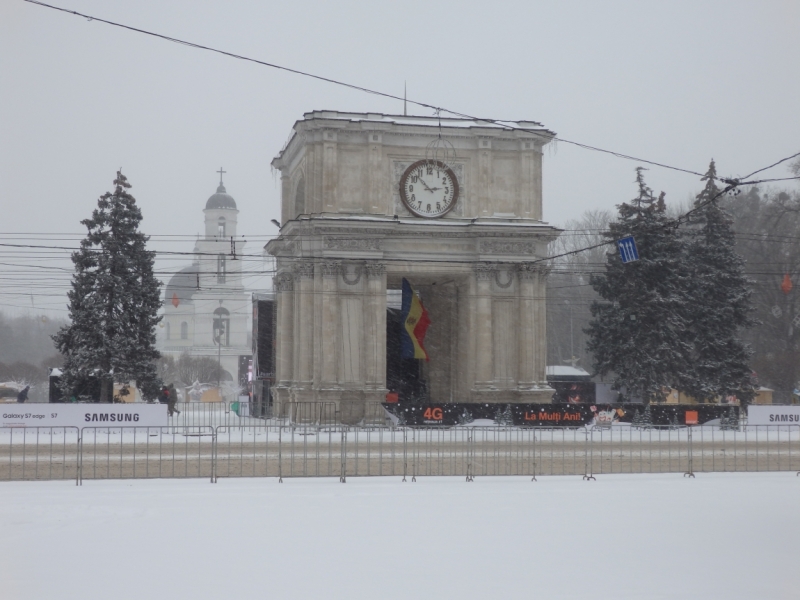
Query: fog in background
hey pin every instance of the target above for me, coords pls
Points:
(675, 82)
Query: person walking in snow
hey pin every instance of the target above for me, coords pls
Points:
(173, 398)
(23, 395)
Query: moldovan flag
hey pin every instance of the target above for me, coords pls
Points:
(415, 323)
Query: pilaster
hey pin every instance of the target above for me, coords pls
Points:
(528, 342)
(484, 357)
(331, 271)
(304, 320)
(330, 172)
(375, 330)
(284, 336)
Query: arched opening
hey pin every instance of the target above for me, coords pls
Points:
(184, 330)
(222, 327)
(221, 227)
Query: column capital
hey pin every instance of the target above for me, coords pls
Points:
(283, 282)
(331, 268)
(529, 271)
(484, 271)
(375, 269)
(304, 270)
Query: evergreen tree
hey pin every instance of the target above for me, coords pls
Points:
(637, 333)
(113, 303)
(647, 418)
(729, 421)
(637, 419)
(720, 308)
(465, 418)
(504, 418)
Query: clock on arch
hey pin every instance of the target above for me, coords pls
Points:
(429, 189)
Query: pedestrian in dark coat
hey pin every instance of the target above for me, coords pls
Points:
(173, 398)
(23, 395)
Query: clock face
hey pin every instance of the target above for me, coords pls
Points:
(429, 189)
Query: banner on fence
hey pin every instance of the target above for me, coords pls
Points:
(84, 415)
(559, 415)
(767, 414)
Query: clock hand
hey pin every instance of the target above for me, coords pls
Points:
(425, 184)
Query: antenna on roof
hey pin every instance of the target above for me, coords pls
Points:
(405, 113)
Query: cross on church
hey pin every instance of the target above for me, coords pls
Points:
(220, 175)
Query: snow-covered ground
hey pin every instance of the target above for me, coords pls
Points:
(723, 536)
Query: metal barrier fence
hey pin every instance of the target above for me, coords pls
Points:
(30, 453)
(314, 450)
(235, 414)
(146, 452)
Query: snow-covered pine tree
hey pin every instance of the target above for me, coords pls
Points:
(465, 418)
(647, 418)
(720, 307)
(637, 332)
(504, 418)
(114, 302)
(637, 419)
(729, 421)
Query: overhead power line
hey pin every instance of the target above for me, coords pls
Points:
(504, 123)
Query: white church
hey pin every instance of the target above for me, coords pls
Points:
(206, 308)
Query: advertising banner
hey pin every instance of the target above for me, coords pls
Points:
(84, 415)
(560, 415)
(768, 414)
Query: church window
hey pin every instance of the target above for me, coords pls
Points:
(166, 330)
(221, 268)
(222, 327)
(221, 227)
(184, 330)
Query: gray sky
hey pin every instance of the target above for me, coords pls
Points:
(677, 82)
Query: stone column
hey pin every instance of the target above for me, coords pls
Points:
(528, 342)
(284, 337)
(484, 363)
(375, 331)
(540, 303)
(304, 319)
(330, 322)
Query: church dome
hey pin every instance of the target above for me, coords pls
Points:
(221, 199)
(182, 286)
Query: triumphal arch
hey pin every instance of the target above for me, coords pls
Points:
(454, 206)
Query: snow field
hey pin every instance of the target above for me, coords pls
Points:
(725, 536)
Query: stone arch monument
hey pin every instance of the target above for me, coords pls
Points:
(469, 238)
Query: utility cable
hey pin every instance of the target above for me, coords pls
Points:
(505, 124)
